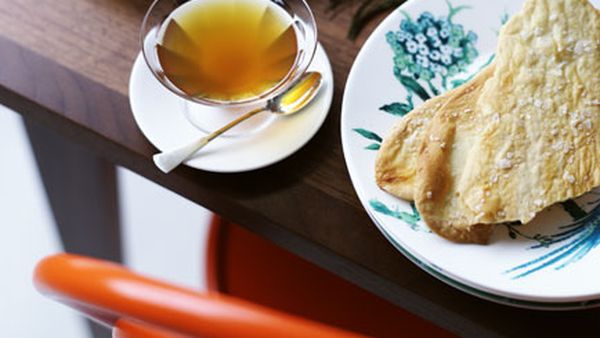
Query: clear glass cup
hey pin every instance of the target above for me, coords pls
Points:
(209, 114)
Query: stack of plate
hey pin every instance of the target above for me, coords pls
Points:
(551, 263)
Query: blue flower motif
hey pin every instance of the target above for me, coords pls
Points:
(472, 36)
(435, 55)
(446, 59)
(432, 32)
(423, 50)
(406, 26)
(411, 46)
(457, 30)
(403, 36)
(444, 33)
(454, 41)
(420, 38)
(435, 42)
(437, 68)
(458, 53)
(426, 16)
(446, 50)
(422, 61)
(429, 47)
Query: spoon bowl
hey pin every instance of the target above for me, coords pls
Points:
(298, 96)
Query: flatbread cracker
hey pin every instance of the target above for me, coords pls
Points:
(539, 141)
(396, 163)
(453, 128)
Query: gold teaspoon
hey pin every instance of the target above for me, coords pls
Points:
(289, 102)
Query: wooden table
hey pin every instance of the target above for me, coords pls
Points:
(64, 65)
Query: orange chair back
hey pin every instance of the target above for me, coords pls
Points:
(110, 293)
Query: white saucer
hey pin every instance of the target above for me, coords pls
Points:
(159, 115)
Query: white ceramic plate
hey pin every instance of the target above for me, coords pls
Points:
(523, 265)
(160, 116)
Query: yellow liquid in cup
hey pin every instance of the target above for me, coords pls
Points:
(227, 50)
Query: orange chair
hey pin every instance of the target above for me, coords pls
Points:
(256, 289)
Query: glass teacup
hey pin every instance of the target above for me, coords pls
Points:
(226, 57)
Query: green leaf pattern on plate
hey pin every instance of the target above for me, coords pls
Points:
(412, 218)
(397, 108)
(369, 135)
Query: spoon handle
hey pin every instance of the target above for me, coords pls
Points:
(168, 160)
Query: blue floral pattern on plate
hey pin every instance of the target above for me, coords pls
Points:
(425, 50)
(428, 48)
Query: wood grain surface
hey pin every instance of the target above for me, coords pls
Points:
(66, 63)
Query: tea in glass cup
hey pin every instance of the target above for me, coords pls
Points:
(231, 55)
